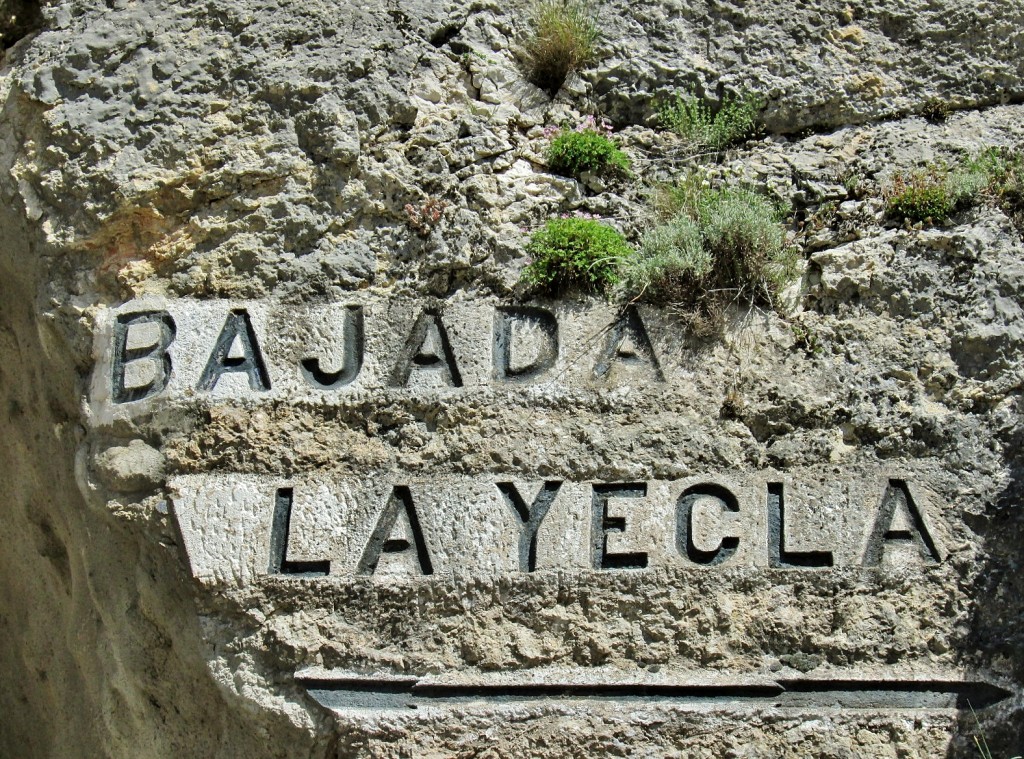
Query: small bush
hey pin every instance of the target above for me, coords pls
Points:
(932, 194)
(721, 247)
(744, 234)
(1004, 169)
(575, 252)
(670, 259)
(693, 120)
(562, 39)
(920, 196)
(588, 147)
(936, 110)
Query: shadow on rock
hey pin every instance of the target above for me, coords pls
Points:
(993, 647)
(17, 19)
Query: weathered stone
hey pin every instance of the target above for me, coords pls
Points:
(285, 455)
(131, 467)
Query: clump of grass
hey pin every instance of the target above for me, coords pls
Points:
(575, 252)
(563, 39)
(936, 109)
(587, 148)
(718, 247)
(693, 119)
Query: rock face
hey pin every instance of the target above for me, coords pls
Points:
(287, 451)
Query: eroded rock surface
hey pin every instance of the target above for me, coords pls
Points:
(202, 527)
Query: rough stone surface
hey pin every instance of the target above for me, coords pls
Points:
(131, 467)
(209, 157)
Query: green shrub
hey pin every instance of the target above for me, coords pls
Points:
(562, 39)
(720, 247)
(744, 234)
(692, 119)
(932, 194)
(671, 257)
(575, 252)
(1004, 169)
(586, 148)
(920, 196)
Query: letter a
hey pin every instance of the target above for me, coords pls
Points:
(399, 512)
(899, 520)
(628, 343)
(236, 350)
(427, 350)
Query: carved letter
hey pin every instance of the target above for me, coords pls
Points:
(427, 348)
(236, 350)
(399, 510)
(531, 517)
(536, 325)
(627, 341)
(778, 556)
(603, 524)
(279, 529)
(125, 352)
(684, 523)
(899, 520)
(352, 355)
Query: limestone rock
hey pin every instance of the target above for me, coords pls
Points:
(293, 465)
(131, 467)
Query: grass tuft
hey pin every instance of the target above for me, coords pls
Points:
(563, 39)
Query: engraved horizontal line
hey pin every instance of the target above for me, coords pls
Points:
(400, 692)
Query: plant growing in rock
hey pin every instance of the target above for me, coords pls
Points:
(562, 39)
(718, 247)
(587, 148)
(919, 196)
(936, 110)
(671, 258)
(423, 218)
(933, 194)
(1004, 170)
(575, 252)
(807, 340)
(852, 181)
(693, 119)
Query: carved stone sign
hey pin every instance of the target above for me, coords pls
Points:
(237, 528)
(165, 351)
(255, 528)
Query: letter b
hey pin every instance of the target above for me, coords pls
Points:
(132, 345)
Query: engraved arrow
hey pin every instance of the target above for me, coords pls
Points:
(344, 691)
